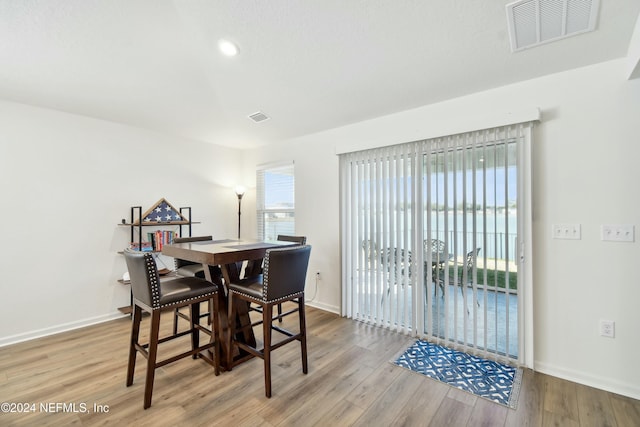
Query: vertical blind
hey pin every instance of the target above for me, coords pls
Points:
(430, 237)
(377, 190)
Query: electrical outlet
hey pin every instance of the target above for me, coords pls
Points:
(608, 328)
(567, 231)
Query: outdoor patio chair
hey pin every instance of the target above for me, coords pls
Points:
(465, 277)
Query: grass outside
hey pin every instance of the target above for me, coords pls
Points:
(494, 278)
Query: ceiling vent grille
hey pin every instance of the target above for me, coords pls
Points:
(259, 117)
(534, 22)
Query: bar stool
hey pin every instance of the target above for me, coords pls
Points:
(152, 296)
(300, 240)
(285, 271)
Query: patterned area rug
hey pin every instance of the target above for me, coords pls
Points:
(484, 378)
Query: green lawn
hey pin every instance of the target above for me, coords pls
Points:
(494, 277)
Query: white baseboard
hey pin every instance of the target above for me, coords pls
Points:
(27, 336)
(602, 383)
(325, 307)
(14, 339)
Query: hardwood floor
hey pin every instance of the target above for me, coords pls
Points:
(79, 377)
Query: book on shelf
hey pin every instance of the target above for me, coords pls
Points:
(143, 246)
(155, 241)
(160, 238)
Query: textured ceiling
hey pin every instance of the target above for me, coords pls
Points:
(310, 65)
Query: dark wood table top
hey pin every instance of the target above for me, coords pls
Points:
(221, 252)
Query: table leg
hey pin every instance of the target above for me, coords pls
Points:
(223, 325)
(231, 273)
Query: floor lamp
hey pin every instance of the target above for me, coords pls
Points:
(239, 192)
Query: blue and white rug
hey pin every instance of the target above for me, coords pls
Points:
(484, 378)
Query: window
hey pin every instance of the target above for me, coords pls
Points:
(275, 200)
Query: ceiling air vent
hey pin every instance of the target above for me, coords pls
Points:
(534, 22)
(258, 117)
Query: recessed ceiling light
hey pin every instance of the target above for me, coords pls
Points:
(227, 48)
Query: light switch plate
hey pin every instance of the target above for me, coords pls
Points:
(618, 232)
(567, 231)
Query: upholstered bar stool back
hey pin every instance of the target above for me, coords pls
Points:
(285, 273)
(301, 240)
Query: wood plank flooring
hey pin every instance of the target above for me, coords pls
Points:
(78, 378)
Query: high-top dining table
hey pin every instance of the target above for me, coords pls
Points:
(229, 255)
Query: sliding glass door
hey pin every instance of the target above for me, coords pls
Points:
(432, 238)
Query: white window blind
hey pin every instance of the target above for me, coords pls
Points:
(275, 200)
(377, 191)
(430, 237)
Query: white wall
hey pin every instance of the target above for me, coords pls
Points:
(66, 181)
(317, 211)
(585, 164)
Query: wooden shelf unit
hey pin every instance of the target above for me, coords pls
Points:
(136, 224)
